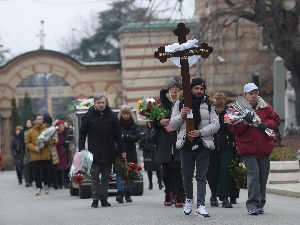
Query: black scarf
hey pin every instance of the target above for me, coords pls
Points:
(196, 110)
(126, 124)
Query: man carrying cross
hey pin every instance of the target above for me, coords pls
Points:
(195, 152)
(193, 116)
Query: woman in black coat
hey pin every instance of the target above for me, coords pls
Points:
(218, 175)
(167, 154)
(131, 135)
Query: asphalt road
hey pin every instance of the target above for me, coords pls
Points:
(19, 206)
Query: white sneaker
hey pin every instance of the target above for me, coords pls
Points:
(201, 212)
(46, 188)
(38, 191)
(188, 206)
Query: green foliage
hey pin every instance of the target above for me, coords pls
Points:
(103, 45)
(238, 171)
(283, 154)
(128, 171)
(28, 113)
(16, 120)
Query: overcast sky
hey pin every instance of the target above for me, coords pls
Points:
(20, 20)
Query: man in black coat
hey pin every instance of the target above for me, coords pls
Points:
(102, 127)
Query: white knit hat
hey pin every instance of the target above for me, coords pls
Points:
(250, 87)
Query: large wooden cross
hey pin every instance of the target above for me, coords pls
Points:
(203, 50)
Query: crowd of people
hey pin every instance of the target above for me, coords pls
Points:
(48, 164)
(204, 152)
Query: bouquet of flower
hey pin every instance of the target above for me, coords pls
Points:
(238, 171)
(45, 136)
(80, 104)
(81, 166)
(150, 109)
(239, 109)
(128, 171)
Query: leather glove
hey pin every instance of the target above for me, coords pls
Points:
(262, 126)
(248, 118)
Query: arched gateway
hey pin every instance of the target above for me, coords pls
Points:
(84, 80)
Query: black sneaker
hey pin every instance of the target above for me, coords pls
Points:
(260, 211)
(95, 204)
(253, 212)
(105, 203)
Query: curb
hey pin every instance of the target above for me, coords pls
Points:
(283, 192)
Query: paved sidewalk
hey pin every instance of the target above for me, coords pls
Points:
(289, 189)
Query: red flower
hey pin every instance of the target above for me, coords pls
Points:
(78, 179)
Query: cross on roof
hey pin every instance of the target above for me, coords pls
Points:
(203, 50)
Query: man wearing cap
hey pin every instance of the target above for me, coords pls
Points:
(255, 146)
(206, 123)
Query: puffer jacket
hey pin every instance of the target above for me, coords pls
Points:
(208, 126)
(103, 130)
(31, 143)
(251, 140)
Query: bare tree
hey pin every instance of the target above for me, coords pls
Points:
(278, 20)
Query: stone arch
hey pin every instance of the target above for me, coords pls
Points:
(83, 78)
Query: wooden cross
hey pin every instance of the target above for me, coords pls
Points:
(203, 50)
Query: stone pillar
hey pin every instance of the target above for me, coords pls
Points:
(279, 90)
(6, 136)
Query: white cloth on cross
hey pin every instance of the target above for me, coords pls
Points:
(176, 47)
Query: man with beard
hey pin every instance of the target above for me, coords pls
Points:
(195, 153)
(103, 129)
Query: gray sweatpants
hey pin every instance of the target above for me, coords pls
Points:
(189, 159)
(257, 176)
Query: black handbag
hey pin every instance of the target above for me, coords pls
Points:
(152, 136)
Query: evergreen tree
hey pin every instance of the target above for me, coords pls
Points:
(16, 120)
(28, 114)
(103, 45)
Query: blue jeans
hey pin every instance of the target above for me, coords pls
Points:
(100, 191)
(120, 185)
(190, 159)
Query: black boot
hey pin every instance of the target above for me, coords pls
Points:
(105, 203)
(119, 197)
(95, 204)
(150, 186)
(127, 197)
(160, 185)
(233, 200)
(214, 201)
(226, 203)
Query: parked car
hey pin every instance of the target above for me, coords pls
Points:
(84, 189)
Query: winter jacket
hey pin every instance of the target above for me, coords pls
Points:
(131, 135)
(223, 139)
(251, 140)
(103, 130)
(62, 152)
(208, 126)
(166, 142)
(31, 143)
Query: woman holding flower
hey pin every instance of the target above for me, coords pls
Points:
(167, 154)
(218, 175)
(131, 135)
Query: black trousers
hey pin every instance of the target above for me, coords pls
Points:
(172, 178)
